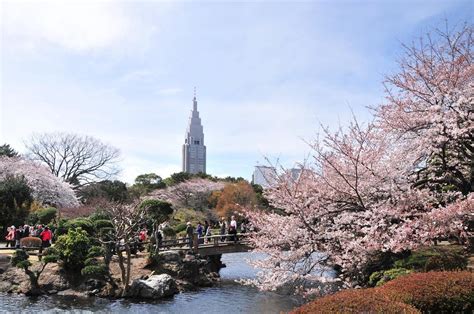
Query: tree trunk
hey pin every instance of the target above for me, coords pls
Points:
(129, 266)
(122, 267)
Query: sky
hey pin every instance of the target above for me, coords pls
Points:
(268, 74)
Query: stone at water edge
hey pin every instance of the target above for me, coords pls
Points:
(169, 256)
(155, 287)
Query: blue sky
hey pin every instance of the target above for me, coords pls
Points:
(267, 73)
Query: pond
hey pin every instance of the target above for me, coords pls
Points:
(228, 297)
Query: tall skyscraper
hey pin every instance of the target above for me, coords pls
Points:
(194, 150)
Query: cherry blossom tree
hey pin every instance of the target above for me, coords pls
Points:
(395, 184)
(191, 193)
(430, 108)
(45, 187)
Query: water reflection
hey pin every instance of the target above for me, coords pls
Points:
(228, 297)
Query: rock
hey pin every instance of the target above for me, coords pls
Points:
(169, 257)
(155, 287)
(72, 293)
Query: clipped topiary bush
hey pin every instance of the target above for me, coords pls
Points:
(102, 223)
(378, 278)
(355, 301)
(179, 228)
(30, 242)
(73, 249)
(434, 292)
(45, 216)
(83, 223)
(435, 258)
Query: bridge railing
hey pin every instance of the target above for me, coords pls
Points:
(213, 240)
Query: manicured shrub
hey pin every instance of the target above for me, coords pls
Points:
(102, 223)
(169, 232)
(83, 223)
(46, 215)
(95, 271)
(378, 278)
(73, 248)
(434, 292)
(179, 228)
(355, 301)
(435, 258)
(30, 242)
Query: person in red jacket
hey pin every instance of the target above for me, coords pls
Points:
(46, 235)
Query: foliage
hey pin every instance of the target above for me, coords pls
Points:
(434, 258)
(95, 271)
(380, 186)
(45, 188)
(113, 191)
(43, 216)
(157, 210)
(177, 177)
(73, 248)
(355, 301)
(169, 232)
(102, 223)
(378, 278)
(180, 227)
(148, 182)
(434, 292)
(15, 199)
(83, 223)
(20, 260)
(75, 159)
(234, 198)
(8, 151)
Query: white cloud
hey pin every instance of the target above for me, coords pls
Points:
(79, 26)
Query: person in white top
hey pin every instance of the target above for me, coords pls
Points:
(233, 228)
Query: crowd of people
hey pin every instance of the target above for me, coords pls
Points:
(15, 234)
(228, 230)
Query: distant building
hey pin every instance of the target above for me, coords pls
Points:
(194, 150)
(264, 176)
(267, 176)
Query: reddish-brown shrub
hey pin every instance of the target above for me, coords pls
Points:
(30, 242)
(356, 301)
(434, 292)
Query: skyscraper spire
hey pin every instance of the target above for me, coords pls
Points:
(194, 150)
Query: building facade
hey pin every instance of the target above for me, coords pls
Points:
(194, 150)
(264, 176)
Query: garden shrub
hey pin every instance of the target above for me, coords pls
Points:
(73, 248)
(434, 292)
(179, 228)
(378, 278)
(98, 271)
(434, 258)
(98, 215)
(46, 215)
(30, 242)
(83, 223)
(102, 223)
(355, 301)
(169, 232)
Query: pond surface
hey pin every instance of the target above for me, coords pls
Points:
(228, 297)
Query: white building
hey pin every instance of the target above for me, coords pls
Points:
(267, 176)
(264, 176)
(194, 150)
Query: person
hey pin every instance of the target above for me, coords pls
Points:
(208, 233)
(243, 227)
(200, 231)
(17, 237)
(223, 228)
(10, 237)
(233, 229)
(46, 236)
(26, 231)
(190, 233)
